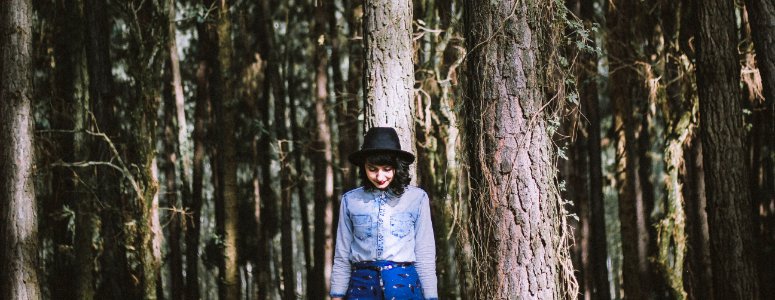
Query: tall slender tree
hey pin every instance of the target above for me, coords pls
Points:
(67, 114)
(143, 236)
(590, 107)
(168, 162)
(176, 144)
(729, 198)
(349, 105)
(89, 222)
(225, 111)
(762, 147)
(205, 57)
(323, 169)
(18, 208)
(627, 92)
(516, 212)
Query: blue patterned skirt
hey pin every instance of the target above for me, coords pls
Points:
(378, 280)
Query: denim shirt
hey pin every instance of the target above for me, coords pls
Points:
(382, 226)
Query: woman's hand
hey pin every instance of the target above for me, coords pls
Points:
(337, 298)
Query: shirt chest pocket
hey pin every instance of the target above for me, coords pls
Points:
(362, 227)
(401, 224)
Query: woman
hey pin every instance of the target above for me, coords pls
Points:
(384, 242)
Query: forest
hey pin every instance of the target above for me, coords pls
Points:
(571, 149)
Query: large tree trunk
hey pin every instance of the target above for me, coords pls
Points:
(626, 92)
(18, 209)
(726, 171)
(517, 218)
(323, 168)
(388, 69)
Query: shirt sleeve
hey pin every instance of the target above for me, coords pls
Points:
(340, 273)
(425, 250)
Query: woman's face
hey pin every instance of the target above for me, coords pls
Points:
(380, 176)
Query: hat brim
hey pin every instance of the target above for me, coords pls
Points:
(359, 157)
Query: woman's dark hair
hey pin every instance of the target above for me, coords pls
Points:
(401, 177)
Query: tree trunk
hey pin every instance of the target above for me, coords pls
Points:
(699, 282)
(598, 247)
(286, 209)
(300, 151)
(761, 14)
(517, 218)
(18, 208)
(627, 91)
(177, 147)
(114, 278)
(388, 70)
(225, 109)
(269, 223)
(729, 200)
(67, 115)
(206, 56)
(677, 229)
(170, 160)
(350, 106)
(143, 231)
(323, 167)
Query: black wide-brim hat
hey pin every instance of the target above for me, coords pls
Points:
(380, 140)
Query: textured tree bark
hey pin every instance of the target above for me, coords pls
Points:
(225, 109)
(143, 230)
(388, 69)
(733, 253)
(516, 222)
(19, 221)
(626, 91)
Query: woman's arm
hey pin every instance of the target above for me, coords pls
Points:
(425, 250)
(340, 273)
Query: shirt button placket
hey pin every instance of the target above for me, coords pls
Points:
(380, 217)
